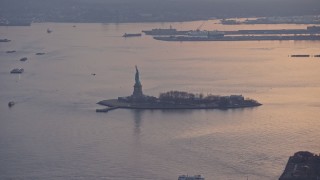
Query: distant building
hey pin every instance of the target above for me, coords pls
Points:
(234, 99)
(303, 165)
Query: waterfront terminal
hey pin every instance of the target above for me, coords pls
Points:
(310, 30)
(175, 100)
(311, 33)
(242, 38)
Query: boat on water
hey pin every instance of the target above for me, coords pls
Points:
(49, 30)
(17, 71)
(5, 40)
(164, 32)
(195, 177)
(300, 55)
(24, 59)
(11, 103)
(132, 34)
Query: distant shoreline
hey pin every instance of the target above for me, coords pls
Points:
(237, 20)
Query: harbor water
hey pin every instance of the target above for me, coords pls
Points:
(53, 132)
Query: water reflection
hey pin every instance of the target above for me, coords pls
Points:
(190, 111)
(177, 111)
(158, 141)
(137, 121)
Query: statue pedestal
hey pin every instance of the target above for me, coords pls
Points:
(137, 91)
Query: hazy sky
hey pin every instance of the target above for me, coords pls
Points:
(161, 10)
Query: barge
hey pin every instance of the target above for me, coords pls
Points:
(132, 35)
(17, 71)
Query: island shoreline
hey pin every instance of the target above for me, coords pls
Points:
(175, 100)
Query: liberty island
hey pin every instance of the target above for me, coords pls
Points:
(175, 100)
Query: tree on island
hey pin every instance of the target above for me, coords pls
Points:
(185, 97)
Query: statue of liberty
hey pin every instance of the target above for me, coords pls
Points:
(137, 91)
(137, 78)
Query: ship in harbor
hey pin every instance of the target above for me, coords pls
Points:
(175, 100)
(49, 31)
(132, 35)
(187, 177)
(17, 71)
(5, 40)
(164, 32)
